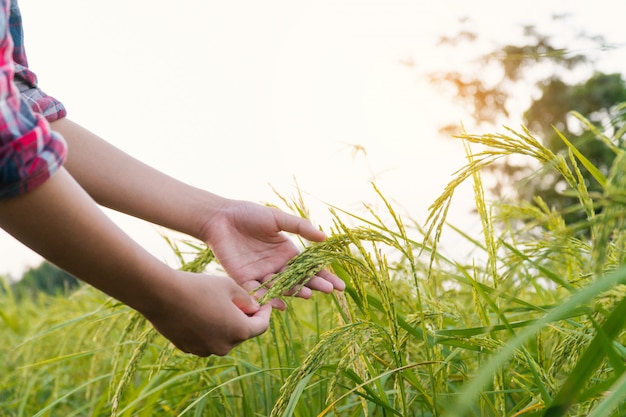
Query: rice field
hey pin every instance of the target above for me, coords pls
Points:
(532, 325)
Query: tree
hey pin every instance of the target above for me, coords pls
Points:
(555, 81)
(45, 278)
(596, 99)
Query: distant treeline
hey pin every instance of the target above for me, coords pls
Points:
(45, 278)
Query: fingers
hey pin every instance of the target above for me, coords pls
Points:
(303, 292)
(246, 303)
(207, 315)
(294, 224)
(320, 284)
(259, 292)
(241, 328)
(324, 282)
(336, 282)
(257, 318)
(259, 321)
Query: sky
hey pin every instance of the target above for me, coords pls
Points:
(246, 97)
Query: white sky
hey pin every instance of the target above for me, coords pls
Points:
(235, 96)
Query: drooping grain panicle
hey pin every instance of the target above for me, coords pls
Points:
(130, 369)
(493, 147)
(486, 220)
(332, 345)
(202, 255)
(613, 219)
(296, 204)
(136, 323)
(300, 269)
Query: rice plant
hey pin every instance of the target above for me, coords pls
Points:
(531, 325)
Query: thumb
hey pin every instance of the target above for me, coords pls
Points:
(294, 224)
(245, 302)
(258, 317)
(260, 321)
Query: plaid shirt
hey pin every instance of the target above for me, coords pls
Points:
(29, 151)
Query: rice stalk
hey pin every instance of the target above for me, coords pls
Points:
(360, 370)
(600, 346)
(494, 147)
(330, 345)
(300, 269)
(143, 341)
(296, 204)
(203, 256)
(367, 382)
(407, 248)
(379, 277)
(472, 390)
(608, 142)
(614, 402)
(613, 217)
(492, 272)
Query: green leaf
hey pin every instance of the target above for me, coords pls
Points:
(598, 349)
(593, 170)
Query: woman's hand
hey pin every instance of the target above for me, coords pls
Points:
(249, 241)
(207, 315)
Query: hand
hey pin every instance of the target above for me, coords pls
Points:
(248, 241)
(207, 315)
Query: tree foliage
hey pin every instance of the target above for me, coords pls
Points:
(45, 278)
(555, 81)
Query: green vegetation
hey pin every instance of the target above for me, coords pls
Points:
(546, 78)
(44, 279)
(532, 325)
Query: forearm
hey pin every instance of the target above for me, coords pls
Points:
(199, 314)
(118, 181)
(62, 223)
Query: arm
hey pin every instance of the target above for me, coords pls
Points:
(199, 314)
(118, 181)
(247, 238)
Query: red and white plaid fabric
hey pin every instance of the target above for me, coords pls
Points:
(29, 151)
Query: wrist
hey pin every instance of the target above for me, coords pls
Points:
(206, 211)
(154, 297)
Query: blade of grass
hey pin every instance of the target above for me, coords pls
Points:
(475, 331)
(296, 394)
(473, 388)
(369, 381)
(588, 362)
(615, 398)
(593, 170)
(62, 398)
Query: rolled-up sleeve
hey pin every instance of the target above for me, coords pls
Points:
(29, 151)
(26, 80)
